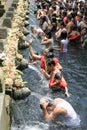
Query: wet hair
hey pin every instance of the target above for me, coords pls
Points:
(41, 106)
(79, 28)
(51, 49)
(69, 8)
(49, 104)
(44, 18)
(73, 14)
(53, 19)
(69, 16)
(54, 26)
(50, 62)
(54, 7)
(64, 13)
(74, 27)
(64, 34)
(54, 15)
(48, 33)
(58, 75)
(44, 5)
(38, 6)
(49, 55)
(62, 23)
(61, 7)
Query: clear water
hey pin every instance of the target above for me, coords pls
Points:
(26, 114)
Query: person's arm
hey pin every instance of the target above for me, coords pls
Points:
(61, 47)
(53, 84)
(56, 112)
(45, 41)
(68, 28)
(65, 86)
(45, 74)
(66, 92)
(32, 52)
(58, 34)
(57, 48)
(46, 115)
(59, 66)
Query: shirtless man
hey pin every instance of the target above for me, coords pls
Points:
(48, 40)
(62, 108)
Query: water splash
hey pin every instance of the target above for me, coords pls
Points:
(36, 70)
(17, 114)
(36, 127)
(38, 96)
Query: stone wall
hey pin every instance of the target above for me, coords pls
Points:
(6, 20)
(5, 100)
(5, 103)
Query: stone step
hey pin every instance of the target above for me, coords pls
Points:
(2, 11)
(3, 33)
(10, 14)
(1, 6)
(11, 9)
(7, 22)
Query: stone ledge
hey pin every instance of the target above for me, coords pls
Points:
(5, 102)
(1, 45)
(7, 22)
(10, 14)
(3, 33)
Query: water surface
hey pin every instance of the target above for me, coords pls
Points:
(27, 114)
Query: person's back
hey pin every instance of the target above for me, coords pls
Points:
(48, 40)
(70, 111)
(71, 118)
(64, 41)
(65, 44)
(61, 109)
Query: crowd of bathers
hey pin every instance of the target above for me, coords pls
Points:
(63, 15)
(63, 21)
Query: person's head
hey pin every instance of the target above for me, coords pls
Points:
(46, 51)
(49, 55)
(54, 15)
(84, 31)
(43, 5)
(54, 7)
(48, 34)
(54, 26)
(64, 34)
(58, 76)
(43, 18)
(69, 17)
(61, 24)
(50, 49)
(53, 19)
(85, 20)
(50, 106)
(50, 64)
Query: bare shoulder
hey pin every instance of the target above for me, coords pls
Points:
(59, 111)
